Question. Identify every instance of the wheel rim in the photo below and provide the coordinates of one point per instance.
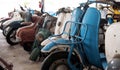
(60, 65)
(5, 31)
(13, 37)
(54, 60)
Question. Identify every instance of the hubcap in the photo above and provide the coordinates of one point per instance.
(60, 65)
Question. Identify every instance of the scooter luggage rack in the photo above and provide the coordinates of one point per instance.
(72, 39)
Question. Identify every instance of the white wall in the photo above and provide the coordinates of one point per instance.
(9, 5)
(55, 4)
(6, 6)
(51, 5)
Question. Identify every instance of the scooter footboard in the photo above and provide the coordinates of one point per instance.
(52, 45)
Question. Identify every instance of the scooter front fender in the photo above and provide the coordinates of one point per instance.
(60, 43)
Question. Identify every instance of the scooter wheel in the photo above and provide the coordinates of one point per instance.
(6, 30)
(11, 37)
(58, 60)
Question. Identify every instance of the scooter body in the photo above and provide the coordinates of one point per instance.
(112, 41)
(27, 33)
(10, 30)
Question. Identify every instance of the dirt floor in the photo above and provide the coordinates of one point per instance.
(17, 56)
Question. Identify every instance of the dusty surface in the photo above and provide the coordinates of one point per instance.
(17, 56)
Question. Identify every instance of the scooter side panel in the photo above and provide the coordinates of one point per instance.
(55, 44)
(112, 41)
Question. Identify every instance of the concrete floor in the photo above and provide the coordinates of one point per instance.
(17, 56)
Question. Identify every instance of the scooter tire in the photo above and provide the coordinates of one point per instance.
(48, 62)
(12, 32)
(53, 60)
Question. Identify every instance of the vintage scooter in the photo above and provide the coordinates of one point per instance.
(16, 17)
(39, 32)
(26, 17)
(63, 15)
(81, 51)
(10, 30)
(76, 16)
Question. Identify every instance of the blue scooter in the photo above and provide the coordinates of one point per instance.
(81, 51)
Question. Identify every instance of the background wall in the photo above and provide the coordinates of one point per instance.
(50, 5)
